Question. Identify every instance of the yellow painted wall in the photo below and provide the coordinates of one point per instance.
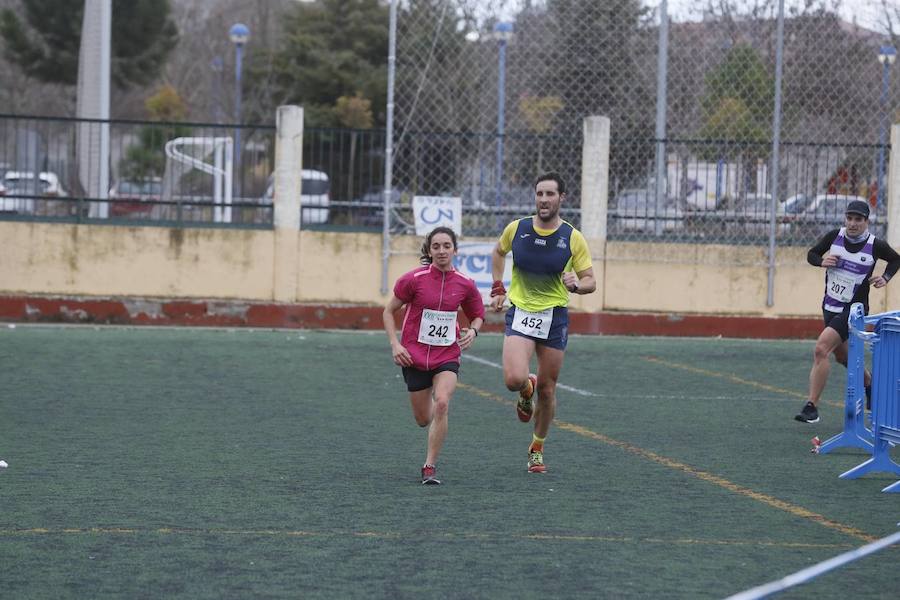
(62, 259)
(156, 262)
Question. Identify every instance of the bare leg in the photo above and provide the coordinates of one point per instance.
(517, 352)
(840, 355)
(444, 386)
(422, 406)
(550, 362)
(829, 340)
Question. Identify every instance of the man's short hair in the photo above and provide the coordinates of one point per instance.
(858, 207)
(552, 176)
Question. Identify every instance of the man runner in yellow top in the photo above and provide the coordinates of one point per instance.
(550, 260)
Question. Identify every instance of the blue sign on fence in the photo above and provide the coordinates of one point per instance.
(474, 259)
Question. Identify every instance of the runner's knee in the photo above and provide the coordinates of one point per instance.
(441, 405)
(514, 383)
(422, 416)
(821, 352)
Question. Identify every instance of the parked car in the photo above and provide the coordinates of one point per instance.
(796, 204)
(636, 211)
(825, 212)
(134, 198)
(22, 189)
(315, 196)
(750, 216)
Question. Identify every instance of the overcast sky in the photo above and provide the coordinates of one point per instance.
(866, 13)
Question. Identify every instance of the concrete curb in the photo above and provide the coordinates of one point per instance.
(234, 313)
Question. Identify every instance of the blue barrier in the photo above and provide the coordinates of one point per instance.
(885, 391)
(855, 433)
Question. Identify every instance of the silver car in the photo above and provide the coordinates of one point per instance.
(636, 211)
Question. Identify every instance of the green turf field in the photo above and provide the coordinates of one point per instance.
(161, 463)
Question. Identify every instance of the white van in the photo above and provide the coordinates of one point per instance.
(24, 183)
(315, 196)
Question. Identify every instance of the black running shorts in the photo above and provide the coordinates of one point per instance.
(417, 380)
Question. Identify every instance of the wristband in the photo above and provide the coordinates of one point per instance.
(498, 289)
(476, 331)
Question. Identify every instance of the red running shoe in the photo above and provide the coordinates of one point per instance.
(429, 475)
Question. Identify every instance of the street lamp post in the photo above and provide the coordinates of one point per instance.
(886, 56)
(217, 66)
(239, 34)
(502, 32)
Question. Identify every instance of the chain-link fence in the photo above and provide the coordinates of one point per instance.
(490, 93)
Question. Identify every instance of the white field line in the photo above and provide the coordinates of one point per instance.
(581, 392)
(774, 587)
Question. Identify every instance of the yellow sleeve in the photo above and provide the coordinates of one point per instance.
(506, 237)
(581, 255)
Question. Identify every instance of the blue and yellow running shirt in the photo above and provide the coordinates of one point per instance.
(540, 256)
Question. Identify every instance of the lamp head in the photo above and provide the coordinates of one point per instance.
(503, 31)
(239, 33)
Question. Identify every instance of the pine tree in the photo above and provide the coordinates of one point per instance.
(45, 46)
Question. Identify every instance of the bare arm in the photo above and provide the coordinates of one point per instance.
(498, 266)
(401, 355)
(468, 335)
(582, 282)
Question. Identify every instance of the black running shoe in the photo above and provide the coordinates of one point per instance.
(809, 414)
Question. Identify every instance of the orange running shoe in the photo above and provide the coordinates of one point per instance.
(536, 461)
(525, 406)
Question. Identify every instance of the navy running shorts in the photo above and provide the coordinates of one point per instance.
(558, 336)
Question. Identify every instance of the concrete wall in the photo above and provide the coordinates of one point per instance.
(231, 264)
(62, 259)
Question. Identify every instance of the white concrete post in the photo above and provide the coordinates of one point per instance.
(595, 178)
(594, 201)
(94, 64)
(288, 165)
